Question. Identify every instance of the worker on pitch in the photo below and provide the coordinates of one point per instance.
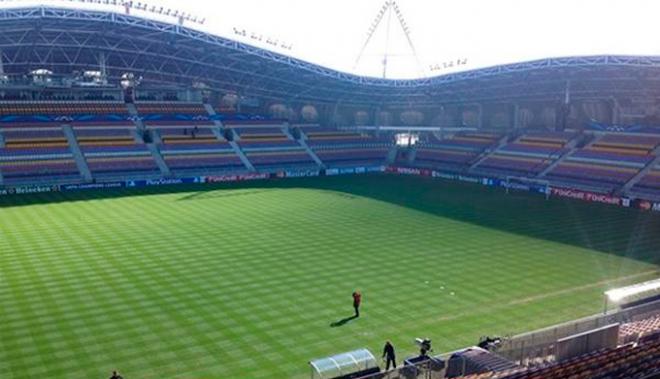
(388, 354)
(357, 299)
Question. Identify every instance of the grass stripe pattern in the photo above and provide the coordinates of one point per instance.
(244, 280)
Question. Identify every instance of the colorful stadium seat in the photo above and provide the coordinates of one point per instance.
(343, 148)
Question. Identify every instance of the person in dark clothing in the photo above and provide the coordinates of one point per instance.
(388, 354)
(357, 299)
(115, 375)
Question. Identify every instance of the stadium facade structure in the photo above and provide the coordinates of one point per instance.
(584, 122)
(253, 110)
(64, 40)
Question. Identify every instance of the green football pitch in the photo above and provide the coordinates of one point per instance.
(245, 280)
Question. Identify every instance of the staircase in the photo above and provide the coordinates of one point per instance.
(242, 156)
(132, 110)
(572, 147)
(81, 163)
(209, 109)
(137, 137)
(556, 162)
(391, 155)
(285, 130)
(217, 133)
(2, 179)
(483, 156)
(412, 156)
(303, 142)
(155, 137)
(158, 157)
(217, 123)
(632, 182)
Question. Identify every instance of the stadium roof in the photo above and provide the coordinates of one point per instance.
(64, 40)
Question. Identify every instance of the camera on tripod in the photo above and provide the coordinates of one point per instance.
(424, 346)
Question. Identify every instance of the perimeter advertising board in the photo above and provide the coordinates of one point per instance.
(92, 186)
(585, 196)
(236, 178)
(29, 190)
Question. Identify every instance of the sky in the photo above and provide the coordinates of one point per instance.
(479, 33)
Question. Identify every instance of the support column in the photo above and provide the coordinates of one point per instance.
(459, 110)
(480, 115)
(334, 114)
(516, 119)
(374, 117)
(616, 112)
(103, 66)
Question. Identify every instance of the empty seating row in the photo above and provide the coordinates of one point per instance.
(188, 150)
(197, 136)
(363, 156)
(468, 140)
(317, 137)
(461, 157)
(269, 147)
(606, 176)
(115, 152)
(650, 183)
(34, 138)
(171, 108)
(596, 155)
(609, 162)
(61, 108)
(540, 143)
(36, 156)
(631, 331)
(626, 144)
(529, 155)
(546, 138)
(622, 150)
(39, 170)
(344, 148)
(508, 164)
(619, 363)
(259, 138)
(455, 153)
(180, 163)
(280, 159)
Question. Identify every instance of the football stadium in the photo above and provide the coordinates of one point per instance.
(179, 204)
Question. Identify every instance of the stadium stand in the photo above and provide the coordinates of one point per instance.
(649, 185)
(115, 152)
(476, 360)
(62, 138)
(145, 108)
(36, 155)
(628, 361)
(635, 330)
(456, 153)
(31, 108)
(255, 137)
(528, 155)
(607, 163)
(173, 114)
(268, 147)
(197, 149)
(340, 148)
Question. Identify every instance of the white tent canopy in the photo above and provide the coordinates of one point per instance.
(641, 289)
(342, 364)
